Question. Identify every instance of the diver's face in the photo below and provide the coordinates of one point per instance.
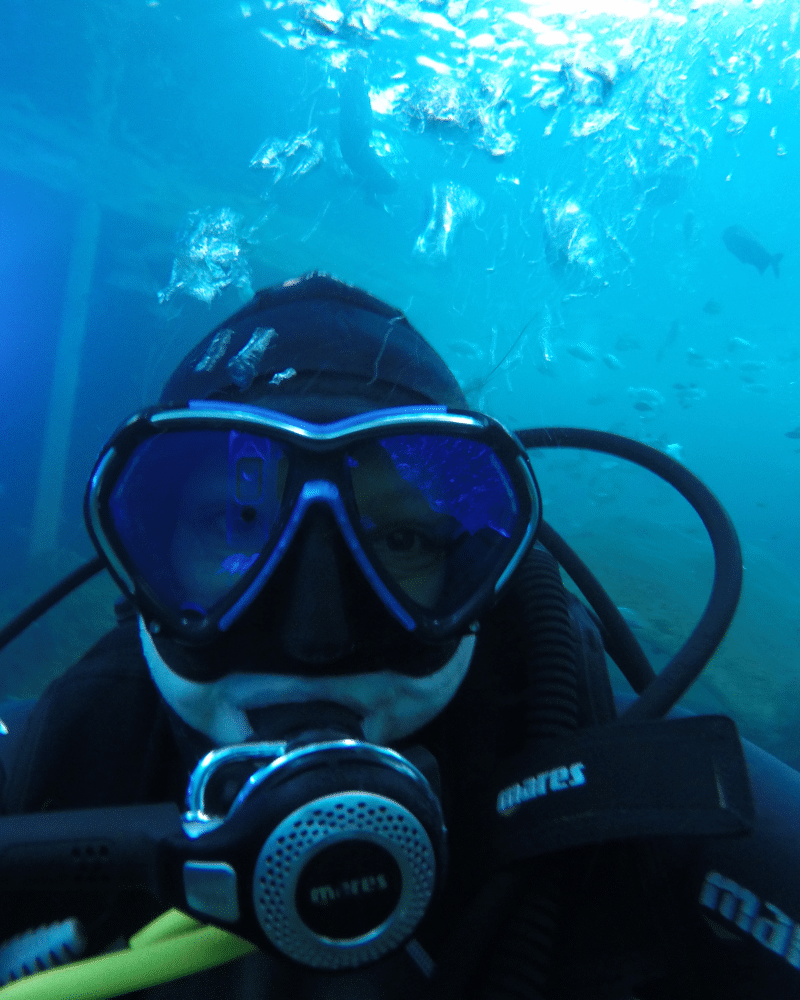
(216, 540)
(406, 536)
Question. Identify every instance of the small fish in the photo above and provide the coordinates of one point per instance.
(672, 334)
(646, 400)
(690, 227)
(466, 349)
(581, 351)
(632, 619)
(749, 250)
(689, 394)
(712, 307)
(695, 358)
(793, 434)
(612, 362)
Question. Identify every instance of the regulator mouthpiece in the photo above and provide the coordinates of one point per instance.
(342, 843)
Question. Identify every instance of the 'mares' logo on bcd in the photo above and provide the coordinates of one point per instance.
(773, 929)
(535, 787)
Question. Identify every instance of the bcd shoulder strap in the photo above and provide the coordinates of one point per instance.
(674, 777)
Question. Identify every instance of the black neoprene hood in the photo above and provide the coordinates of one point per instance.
(316, 328)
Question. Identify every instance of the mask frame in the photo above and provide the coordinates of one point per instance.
(318, 443)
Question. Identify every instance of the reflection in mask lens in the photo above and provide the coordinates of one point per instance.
(437, 512)
(195, 509)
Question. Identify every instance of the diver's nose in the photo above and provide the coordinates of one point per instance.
(315, 626)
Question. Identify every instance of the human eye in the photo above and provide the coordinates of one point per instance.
(410, 546)
(220, 524)
(410, 542)
(414, 554)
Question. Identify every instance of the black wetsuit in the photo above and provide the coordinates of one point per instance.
(677, 917)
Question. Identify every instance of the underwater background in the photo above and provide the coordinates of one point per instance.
(589, 209)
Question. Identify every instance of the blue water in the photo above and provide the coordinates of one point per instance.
(588, 163)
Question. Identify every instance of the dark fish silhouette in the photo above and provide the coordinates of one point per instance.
(712, 307)
(355, 132)
(672, 335)
(690, 227)
(744, 246)
(793, 434)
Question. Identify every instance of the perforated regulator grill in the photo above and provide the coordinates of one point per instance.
(343, 880)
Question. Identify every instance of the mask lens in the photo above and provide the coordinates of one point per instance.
(437, 513)
(194, 510)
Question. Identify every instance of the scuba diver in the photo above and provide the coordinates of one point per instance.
(351, 716)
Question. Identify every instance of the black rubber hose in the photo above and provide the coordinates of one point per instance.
(456, 971)
(514, 917)
(678, 675)
(46, 601)
(547, 642)
(521, 959)
(620, 642)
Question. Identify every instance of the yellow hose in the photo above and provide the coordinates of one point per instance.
(172, 946)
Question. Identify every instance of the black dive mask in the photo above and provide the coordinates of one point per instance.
(413, 518)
